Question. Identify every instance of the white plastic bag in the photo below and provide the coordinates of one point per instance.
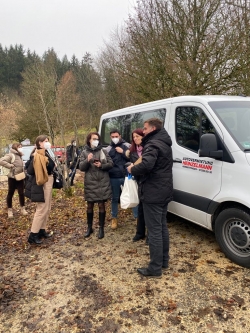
(129, 197)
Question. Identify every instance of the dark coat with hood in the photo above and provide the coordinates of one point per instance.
(119, 159)
(32, 191)
(155, 170)
(96, 180)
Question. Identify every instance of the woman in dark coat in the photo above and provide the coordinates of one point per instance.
(134, 153)
(97, 189)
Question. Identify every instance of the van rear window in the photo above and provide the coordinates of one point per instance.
(127, 123)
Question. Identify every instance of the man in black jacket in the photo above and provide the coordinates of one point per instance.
(155, 191)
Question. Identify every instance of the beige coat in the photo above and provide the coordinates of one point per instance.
(16, 167)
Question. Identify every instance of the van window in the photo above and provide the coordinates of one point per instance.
(235, 115)
(190, 124)
(127, 123)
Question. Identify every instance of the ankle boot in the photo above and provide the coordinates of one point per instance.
(43, 234)
(10, 213)
(34, 239)
(23, 211)
(90, 223)
(101, 224)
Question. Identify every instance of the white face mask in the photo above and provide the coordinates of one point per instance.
(95, 143)
(47, 145)
(115, 140)
(20, 150)
(74, 144)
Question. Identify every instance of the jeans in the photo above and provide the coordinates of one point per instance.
(135, 212)
(116, 192)
(156, 223)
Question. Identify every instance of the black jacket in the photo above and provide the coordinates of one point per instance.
(155, 170)
(119, 159)
(33, 191)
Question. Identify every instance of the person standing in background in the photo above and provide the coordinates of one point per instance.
(155, 192)
(117, 151)
(13, 161)
(72, 154)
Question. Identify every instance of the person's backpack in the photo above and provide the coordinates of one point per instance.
(6, 171)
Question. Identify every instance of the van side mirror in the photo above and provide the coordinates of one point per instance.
(209, 147)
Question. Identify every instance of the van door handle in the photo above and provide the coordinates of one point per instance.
(177, 160)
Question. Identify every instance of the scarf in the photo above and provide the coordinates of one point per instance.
(139, 150)
(40, 166)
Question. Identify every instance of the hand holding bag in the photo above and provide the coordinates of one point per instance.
(129, 197)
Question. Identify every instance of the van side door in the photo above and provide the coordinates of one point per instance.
(196, 180)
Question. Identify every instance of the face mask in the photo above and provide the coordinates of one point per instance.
(74, 144)
(20, 150)
(95, 143)
(115, 140)
(47, 145)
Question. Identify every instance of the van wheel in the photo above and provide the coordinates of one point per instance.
(232, 232)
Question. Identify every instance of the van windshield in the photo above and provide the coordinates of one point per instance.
(127, 123)
(235, 116)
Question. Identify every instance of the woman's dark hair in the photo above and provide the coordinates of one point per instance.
(40, 138)
(138, 131)
(89, 137)
(15, 147)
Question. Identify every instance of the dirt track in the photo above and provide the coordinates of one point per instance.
(70, 284)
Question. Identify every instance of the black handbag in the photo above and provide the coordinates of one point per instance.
(58, 180)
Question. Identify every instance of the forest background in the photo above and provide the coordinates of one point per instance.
(165, 49)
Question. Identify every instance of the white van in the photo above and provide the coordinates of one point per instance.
(211, 154)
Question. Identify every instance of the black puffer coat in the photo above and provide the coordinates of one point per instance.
(155, 170)
(119, 159)
(96, 181)
(33, 191)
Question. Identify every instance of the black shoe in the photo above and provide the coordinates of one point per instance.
(165, 266)
(34, 239)
(137, 238)
(145, 272)
(43, 234)
(89, 232)
(101, 233)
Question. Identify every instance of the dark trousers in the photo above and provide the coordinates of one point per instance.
(156, 223)
(12, 186)
(140, 227)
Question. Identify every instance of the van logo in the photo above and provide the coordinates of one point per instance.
(200, 165)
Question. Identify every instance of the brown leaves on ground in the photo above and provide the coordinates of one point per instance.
(72, 284)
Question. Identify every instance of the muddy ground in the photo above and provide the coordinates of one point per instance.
(70, 284)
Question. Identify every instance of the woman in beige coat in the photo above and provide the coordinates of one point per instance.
(13, 161)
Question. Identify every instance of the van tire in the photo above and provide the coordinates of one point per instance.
(232, 232)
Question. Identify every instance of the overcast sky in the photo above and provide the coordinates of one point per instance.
(69, 26)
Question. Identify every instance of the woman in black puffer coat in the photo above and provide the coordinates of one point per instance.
(96, 163)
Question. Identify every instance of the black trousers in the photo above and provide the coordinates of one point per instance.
(12, 186)
(156, 222)
(140, 227)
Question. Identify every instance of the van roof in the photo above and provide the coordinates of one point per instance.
(179, 99)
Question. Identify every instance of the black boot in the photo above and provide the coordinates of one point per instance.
(101, 224)
(34, 239)
(90, 223)
(43, 234)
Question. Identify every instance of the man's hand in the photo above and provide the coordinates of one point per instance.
(130, 167)
(119, 150)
